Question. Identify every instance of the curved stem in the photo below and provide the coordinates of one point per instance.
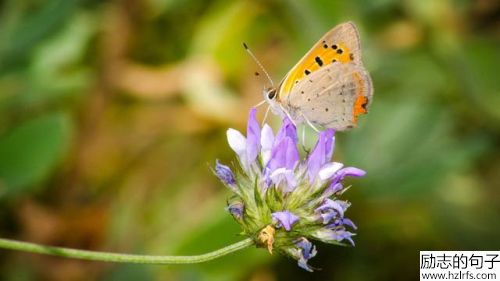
(122, 258)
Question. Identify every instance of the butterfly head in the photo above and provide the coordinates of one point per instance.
(272, 98)
(270, 94)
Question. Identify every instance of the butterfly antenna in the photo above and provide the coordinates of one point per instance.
(258, 63)
(259, 104)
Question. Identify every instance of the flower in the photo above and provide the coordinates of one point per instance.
(225, 174)
(283, 200)
(284, 219)
(302, 250)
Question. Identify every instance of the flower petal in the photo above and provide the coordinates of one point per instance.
(321, 154)
(329, 169)
(329, 144)
(346, 172)
(237, 142)
(284, 175)
(292, 154)
(332, 189)
(342, 222)
(284, 155)
(350, 172)
(330, 235)
(287, 130)
(284, 219)
(308, 249)
(337, 205)
(328, 216)
(253, 137)
(266, 142)
(306, 252)
(332, 209)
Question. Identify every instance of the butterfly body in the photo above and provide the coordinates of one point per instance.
(329, 85)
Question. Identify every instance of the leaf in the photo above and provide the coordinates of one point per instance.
(30, 29)
(31, 151)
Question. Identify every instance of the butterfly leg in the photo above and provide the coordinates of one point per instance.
(310, 124)
(288, 115)
(303, 144)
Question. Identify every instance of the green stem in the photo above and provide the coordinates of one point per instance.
(122, 258)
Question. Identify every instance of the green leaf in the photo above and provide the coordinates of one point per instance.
(31, 151)
(31, 28)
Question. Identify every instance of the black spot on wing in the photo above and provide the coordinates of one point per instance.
(318, 61)
(307, 72)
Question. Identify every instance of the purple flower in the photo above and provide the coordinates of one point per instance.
(340, 222)
(283, 179)
(287, 130)
(331, 209)
(284, 155)
(337, 205)
(329, 170)
(348, 172)
(321, 154)
(276, 189)
(266, 142)
(308, 249)
(337, 177)
(285, 219)
(247, 148)
(236, 210)
(253, 137)
(225, 174)
(238, 144)
(303, 252)
(333, 236)
(332, 189)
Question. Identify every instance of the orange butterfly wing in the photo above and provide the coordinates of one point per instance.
(341, 44)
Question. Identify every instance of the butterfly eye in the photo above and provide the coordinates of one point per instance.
(271, 94)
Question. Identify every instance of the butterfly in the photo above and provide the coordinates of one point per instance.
(329, 86)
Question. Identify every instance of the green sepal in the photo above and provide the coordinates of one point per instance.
(274, 199)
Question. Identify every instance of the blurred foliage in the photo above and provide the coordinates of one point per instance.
(113, 112)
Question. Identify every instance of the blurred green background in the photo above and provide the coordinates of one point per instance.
(113, 112)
